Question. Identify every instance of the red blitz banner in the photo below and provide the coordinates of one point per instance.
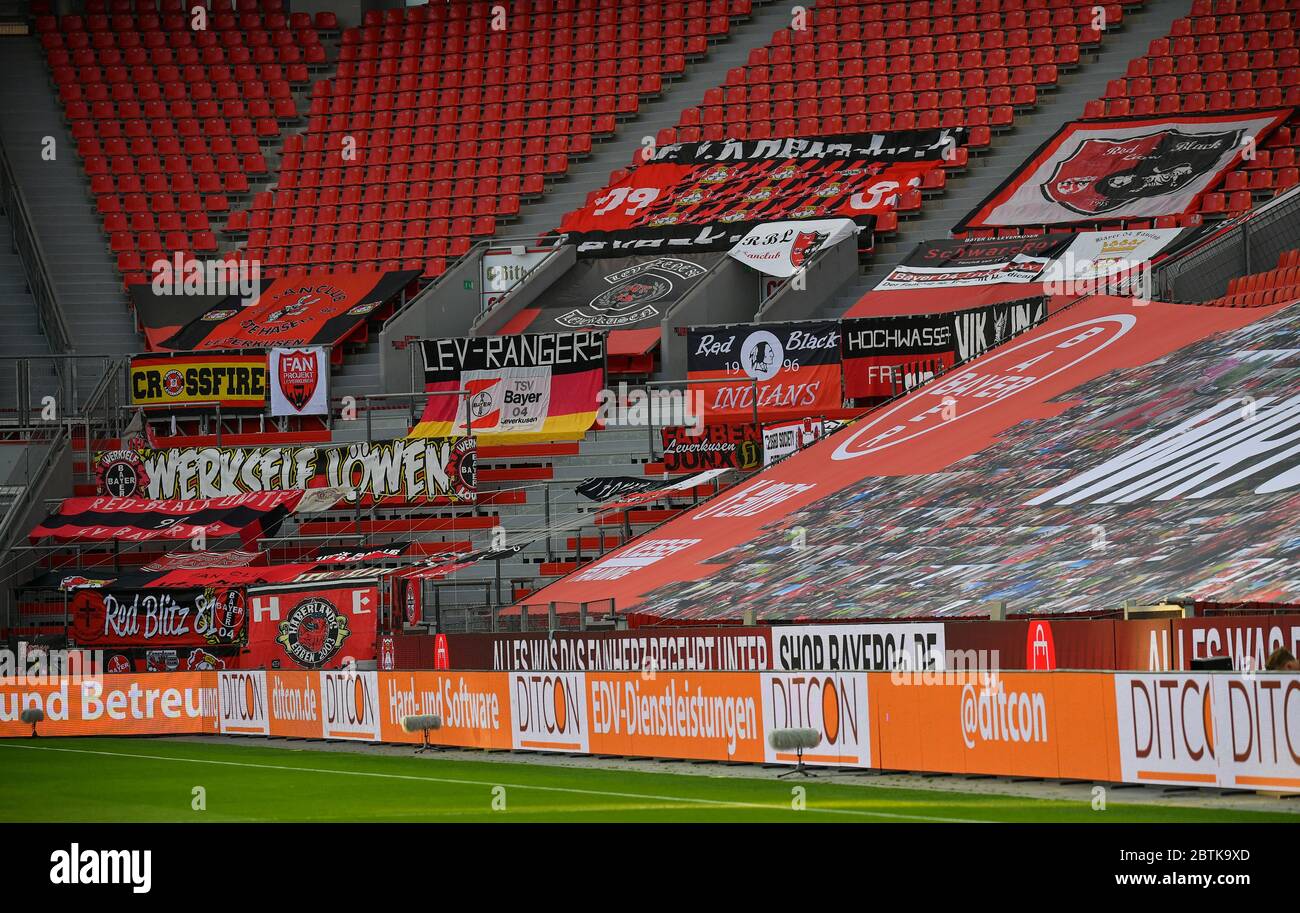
(917, 435)
(796, 367)
(140, 519)
(1135, 168)
(312, 627)
(160, 618)
(298, 311)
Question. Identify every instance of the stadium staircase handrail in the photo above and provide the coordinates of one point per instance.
(28, 245)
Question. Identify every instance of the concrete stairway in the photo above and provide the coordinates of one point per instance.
(23, 335)
(986, 172)
(58, 195)
(664, 111)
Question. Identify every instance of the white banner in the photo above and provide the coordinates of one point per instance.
(1231, 730)
(859, 647)
(784, 438)
(503, 270)
(350, 705)
(1127, 169)
(833, 703)
(1097, 254)
(300, 380)
(783, 248)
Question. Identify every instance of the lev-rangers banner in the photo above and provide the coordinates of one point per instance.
(210, 617)
(231, 380)
(293, 311)
(796, 367)
(300, 381)
(311, 626)
(530, 386)
(438, 471)
(707, 196)
(103, 519)
(1133, 168)
(886, 355)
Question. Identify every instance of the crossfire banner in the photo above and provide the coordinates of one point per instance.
(213, 616)
(231, 380)
(103, 519)
(796, 367)
(437, 471)
(707, 196)
(1133, 168)
(297, 311)
(314, 627)
(882, 354)
(525, 387)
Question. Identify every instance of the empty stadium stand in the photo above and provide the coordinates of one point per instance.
(1280, 285)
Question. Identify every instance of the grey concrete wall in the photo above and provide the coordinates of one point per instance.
(728, 294)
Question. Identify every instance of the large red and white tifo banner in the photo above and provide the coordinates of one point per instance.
(1223, 730)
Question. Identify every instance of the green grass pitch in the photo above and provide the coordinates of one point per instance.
(149, 780)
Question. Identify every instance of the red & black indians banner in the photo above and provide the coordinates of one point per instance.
(520, 388)
(795, 368)
(298, 311)
(1130, 168)
(706, 196)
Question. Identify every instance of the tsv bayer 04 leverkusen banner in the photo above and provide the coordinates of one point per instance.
(431, 470)
(884, 355)
(796, 367)
(1134, 168)
(199, 380)
(311, 627)
(707, 196)
(526, 387)
(300, 381)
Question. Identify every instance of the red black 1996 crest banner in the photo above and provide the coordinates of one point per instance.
(707, 196)
(1133, 168)
(793, 367)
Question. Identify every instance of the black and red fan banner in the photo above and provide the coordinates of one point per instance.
(883, 355)
(298, 311)
(103, 519)
(707, 196)
(793, 367)
(1128, 168)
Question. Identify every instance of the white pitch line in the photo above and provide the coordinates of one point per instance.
(713, 803)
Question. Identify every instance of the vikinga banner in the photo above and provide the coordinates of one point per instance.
(1135, 168)
(527, 387)
(796, 367)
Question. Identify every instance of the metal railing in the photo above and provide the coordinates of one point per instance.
(1251, 244)
(27, 244)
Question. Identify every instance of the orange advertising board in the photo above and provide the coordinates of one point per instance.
(715, 716)
(1029, 724)
(474, 707)
(143, 704)
(293, 704)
